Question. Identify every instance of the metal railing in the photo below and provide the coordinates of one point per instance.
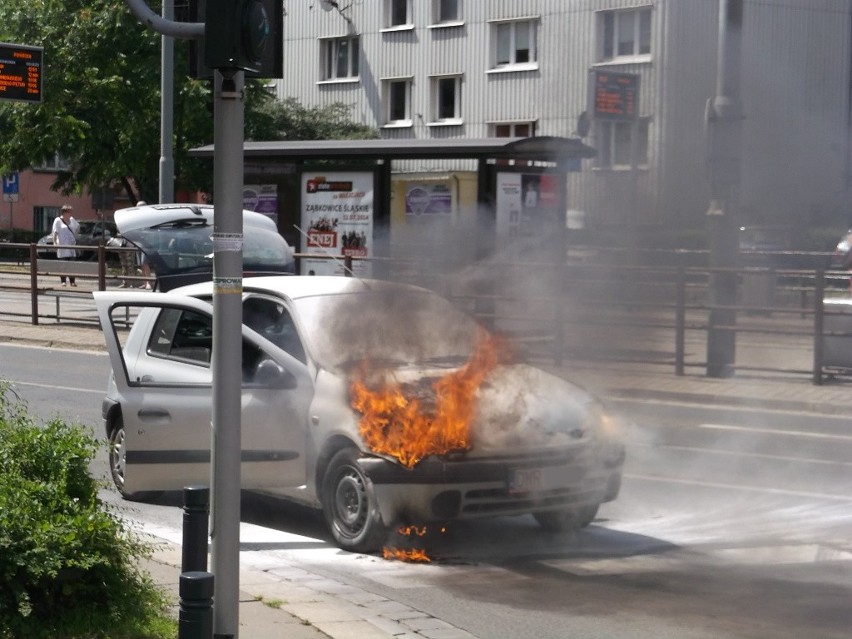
(617, 311)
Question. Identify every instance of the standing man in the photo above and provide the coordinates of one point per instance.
(65, 230)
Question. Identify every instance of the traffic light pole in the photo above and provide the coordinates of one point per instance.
(228, 115)
(226, 424)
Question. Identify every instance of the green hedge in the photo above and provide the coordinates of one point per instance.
(68, 563)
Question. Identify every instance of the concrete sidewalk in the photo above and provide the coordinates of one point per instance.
(285, 601)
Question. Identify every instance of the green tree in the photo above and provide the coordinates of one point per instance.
(101, 101)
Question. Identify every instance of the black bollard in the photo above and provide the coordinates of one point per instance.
(195, 617)
(195, 511)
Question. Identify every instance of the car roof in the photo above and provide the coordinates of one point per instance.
(300, 286)
(152, 215)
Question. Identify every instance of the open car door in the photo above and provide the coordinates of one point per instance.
(160, 348)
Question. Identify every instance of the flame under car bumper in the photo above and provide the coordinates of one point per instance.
(475, 488)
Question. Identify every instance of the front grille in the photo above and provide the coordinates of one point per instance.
(497, 501)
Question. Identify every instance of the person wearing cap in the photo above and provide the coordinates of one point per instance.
(65, 229)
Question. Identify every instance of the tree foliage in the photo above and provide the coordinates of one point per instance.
(101, 101)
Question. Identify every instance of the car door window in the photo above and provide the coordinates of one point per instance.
(182, 335)
(271, 319)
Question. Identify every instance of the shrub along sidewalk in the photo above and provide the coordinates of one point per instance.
(68, 563)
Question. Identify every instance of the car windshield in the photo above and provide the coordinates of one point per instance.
(390, 326)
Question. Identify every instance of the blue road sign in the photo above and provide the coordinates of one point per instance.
(10, 187)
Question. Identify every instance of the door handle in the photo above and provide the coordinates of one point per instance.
(154, 414)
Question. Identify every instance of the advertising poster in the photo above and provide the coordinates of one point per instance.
(337, 220)
(428, 200)
(527, 204)
(262, 198)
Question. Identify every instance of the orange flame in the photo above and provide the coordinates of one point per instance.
(414, 555)
(395, 422)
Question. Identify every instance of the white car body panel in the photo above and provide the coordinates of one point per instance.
(169, 435)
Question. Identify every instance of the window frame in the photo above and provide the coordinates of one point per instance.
(387, 102)
(436, 100)
(532, 24)
(329, 59)
(614, 144)
(55, 164)
(390, 8)
(609, 28)
(513, 126)
(440, 20)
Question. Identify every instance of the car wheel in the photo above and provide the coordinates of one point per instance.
(349, 504)
(118, 462)
(567, 520)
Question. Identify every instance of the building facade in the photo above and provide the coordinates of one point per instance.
(446, 69)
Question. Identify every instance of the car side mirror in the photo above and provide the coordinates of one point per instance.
(272, 375)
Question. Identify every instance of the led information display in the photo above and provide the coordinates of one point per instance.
(614, 96)
(20, 72)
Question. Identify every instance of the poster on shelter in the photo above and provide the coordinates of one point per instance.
(527, 204)
(262, 198)
(428, 200)
(337, 221)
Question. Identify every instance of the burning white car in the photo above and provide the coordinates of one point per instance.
(379, 403)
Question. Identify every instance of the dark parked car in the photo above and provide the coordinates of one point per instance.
(91, 233)
(177, 240)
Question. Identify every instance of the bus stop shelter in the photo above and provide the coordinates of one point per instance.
(298, 170)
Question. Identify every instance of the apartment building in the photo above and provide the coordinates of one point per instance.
(449, 69)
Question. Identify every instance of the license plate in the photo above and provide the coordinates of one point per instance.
(528, 480)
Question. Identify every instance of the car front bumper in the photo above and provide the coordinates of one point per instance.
(444, 490)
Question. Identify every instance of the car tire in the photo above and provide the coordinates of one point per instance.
(118, 463)
(349, 504)
(568, 520)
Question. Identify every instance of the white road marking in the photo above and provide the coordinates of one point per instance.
(751, 489)
(100, 391)
(771, 431)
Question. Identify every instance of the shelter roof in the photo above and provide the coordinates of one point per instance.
(542, 149)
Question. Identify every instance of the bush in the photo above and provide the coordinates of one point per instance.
(68, 563)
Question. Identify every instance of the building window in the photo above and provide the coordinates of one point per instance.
(625, 34)
(513, 129)
(615, 144)
(446, 99)
(446, 11)
(55, 163)
(397, 13)
(340, 58)
(514, 43)
(43, 217)
(397, 101)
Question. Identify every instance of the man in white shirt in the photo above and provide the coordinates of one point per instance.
(65, 229)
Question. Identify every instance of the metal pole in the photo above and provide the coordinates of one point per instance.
(724, 133)
(819, 326)
(167, 70)
(227, 348)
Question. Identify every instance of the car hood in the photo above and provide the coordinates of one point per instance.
(517, 409)
(178, 242)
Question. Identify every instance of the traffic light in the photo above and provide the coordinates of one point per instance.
(214, 46)
(236, 34)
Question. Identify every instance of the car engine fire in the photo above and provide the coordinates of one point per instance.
(429, 417)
